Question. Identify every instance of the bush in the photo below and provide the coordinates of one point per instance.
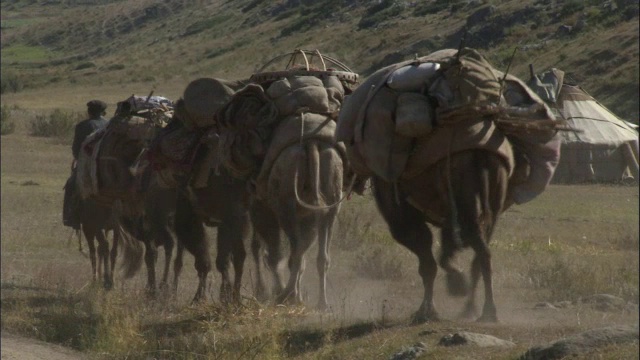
(7, 125)
(114, 67)
(85, 65)
(58, 124)
(10, 82)
(379, 13)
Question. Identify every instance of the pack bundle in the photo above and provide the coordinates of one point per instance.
(403, 118)
(202, 98)
(108, 155)
(279, 109)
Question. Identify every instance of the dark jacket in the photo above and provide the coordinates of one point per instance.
(84, 129)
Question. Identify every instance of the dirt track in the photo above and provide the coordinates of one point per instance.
(19, 348)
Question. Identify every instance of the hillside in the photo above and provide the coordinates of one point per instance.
(62, 44)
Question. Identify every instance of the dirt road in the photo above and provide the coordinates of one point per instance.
(20, 348)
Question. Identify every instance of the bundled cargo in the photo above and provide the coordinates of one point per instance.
(203, 98)
(172, 158)
(409, 115)
(107, 156)
(279, 109)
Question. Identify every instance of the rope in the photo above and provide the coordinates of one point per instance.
(295, 180)
(320, 207)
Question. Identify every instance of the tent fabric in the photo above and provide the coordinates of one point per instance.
(604, 147)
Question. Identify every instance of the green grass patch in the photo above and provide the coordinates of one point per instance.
(25, 53)
(17, 23)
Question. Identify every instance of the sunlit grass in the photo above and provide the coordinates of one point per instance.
(20, 53)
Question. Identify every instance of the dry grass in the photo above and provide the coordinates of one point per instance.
(571, 242)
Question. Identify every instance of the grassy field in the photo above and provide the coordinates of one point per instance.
(572, 242)
(106, 43)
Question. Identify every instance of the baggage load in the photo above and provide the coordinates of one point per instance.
(414, 77)
(414, 115)
(395, 131)
(202, 99)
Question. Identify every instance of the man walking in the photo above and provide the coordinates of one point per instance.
(96, 121)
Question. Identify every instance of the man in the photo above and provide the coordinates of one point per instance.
(96, 121)
(96, 109)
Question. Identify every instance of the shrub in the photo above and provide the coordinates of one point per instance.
(114, 67)
(430, 7)
(7, 125)
(10, 82)
(565, 278)
(379, 13)
(571, 7)
(85, 65)
(58, 124)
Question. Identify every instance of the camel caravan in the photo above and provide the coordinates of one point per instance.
(444, 139)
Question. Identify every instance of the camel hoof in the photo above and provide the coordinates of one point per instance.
(108, 285)
(198, 299)
(288, 298)
(421, 317)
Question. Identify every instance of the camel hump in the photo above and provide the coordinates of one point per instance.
(204, 97)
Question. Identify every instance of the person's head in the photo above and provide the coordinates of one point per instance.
(96, 108)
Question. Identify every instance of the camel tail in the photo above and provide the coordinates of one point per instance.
(132, 254)
(132, 247)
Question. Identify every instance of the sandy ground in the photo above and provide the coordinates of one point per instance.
(20, 348)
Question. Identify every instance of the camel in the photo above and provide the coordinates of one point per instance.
(113, 150)
(471, 189)
(223, 203)
(220, 203)
(455, 166)
(287, 153)
(310, 173)
(95, 221)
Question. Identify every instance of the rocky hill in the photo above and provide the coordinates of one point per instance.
(68, 42)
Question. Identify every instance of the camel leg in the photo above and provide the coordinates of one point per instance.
(456, 282)
(470, 306)
(407, 226)
(322, 263)
(114, 251)
(489, 313)
(89, 235)
(168, 253)
(256, 252)
(223, 259)
(300, 234)
(161, 235)
(177, 267)
(103, 254)
(267, 229)
(481, 207)
(150, 259)
(238, 255)
(190, 233)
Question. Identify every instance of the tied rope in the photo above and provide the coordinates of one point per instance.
(296, 175)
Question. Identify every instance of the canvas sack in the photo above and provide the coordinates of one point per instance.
(414, 115)
(413, 77)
